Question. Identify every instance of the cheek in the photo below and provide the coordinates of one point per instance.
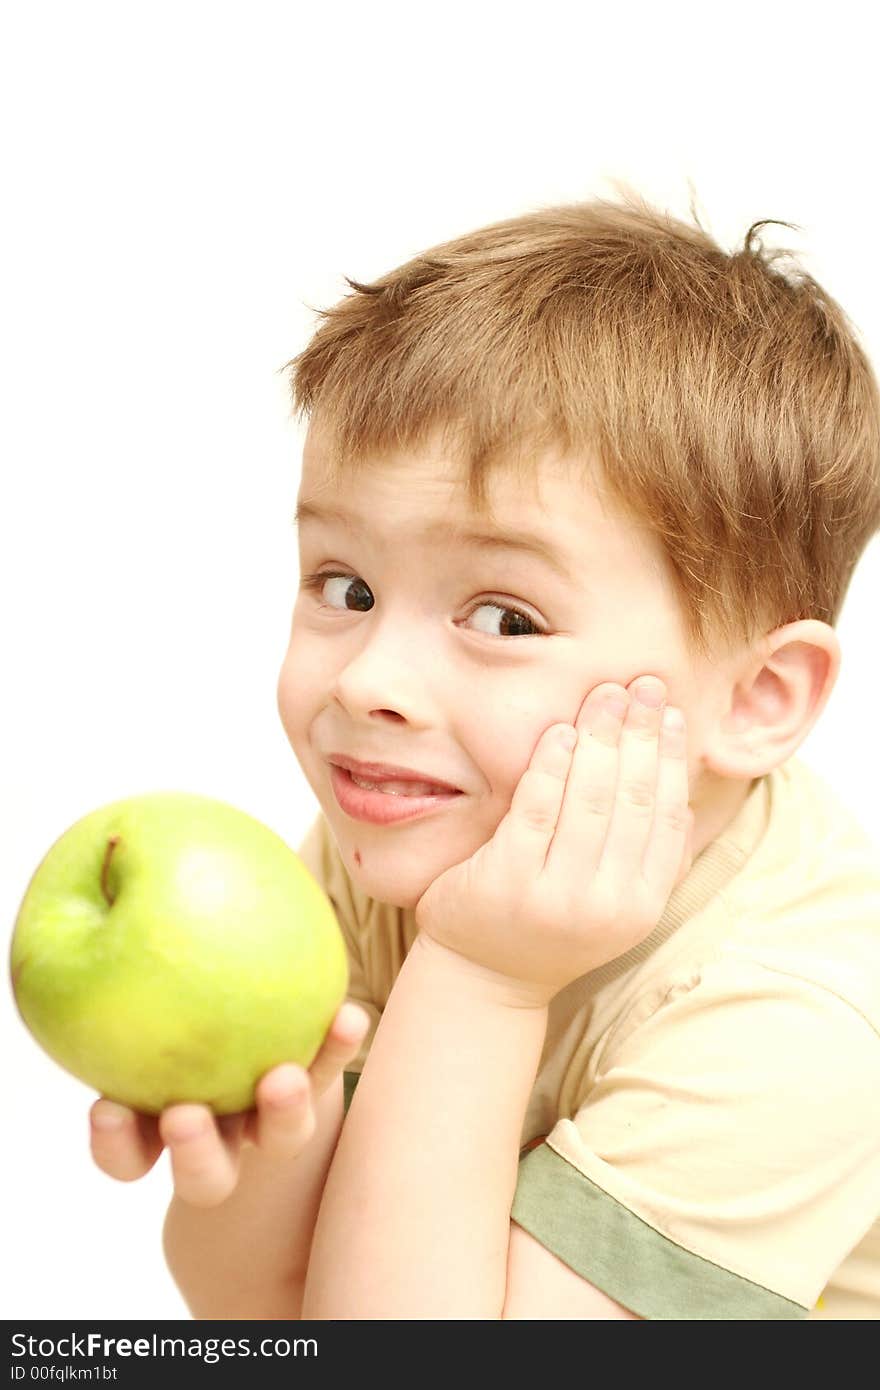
(285, 700)
(503, 735)
(299, 681)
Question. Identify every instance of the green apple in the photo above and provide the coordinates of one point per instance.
(172, 948)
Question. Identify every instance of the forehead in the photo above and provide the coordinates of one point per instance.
(423, 500)
(551, 510)
(428, 488)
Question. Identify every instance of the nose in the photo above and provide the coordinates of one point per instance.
(391, 677)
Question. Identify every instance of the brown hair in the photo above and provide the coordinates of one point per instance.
(729, 407)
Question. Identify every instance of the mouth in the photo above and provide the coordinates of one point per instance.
(390, 779)
(382, 802)
(400, 787)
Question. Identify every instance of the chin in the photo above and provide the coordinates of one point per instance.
(396, 865)
(387, 886)
(396, 875)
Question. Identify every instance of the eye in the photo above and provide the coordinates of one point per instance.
(316, 583)
(520, 621)
(356, 596)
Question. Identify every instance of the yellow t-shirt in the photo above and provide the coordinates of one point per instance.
(703, 1136)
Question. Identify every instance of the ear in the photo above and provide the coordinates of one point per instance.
(773, 700)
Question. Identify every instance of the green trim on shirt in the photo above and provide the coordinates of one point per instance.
(349, 1080)
(619, 1253)
(622, 1255)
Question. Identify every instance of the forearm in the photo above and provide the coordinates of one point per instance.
(247, 1257)
(415, 1217)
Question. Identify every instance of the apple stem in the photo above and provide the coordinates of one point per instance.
(111, 845)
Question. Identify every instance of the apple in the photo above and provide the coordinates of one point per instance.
(171, 948)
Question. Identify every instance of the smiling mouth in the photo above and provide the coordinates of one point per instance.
(391, 787)
(388, 802)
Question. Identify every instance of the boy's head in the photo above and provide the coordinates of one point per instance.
(694, 437)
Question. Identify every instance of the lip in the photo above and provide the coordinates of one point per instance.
(388, 772)
(382, 808)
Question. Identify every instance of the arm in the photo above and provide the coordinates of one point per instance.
(415, 1220)
(428, 1162)
(246, 1258)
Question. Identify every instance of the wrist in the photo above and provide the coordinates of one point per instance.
(487, 986)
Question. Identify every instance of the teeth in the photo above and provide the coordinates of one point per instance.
(397, 788)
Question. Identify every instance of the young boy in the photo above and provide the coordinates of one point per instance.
(614, 1018)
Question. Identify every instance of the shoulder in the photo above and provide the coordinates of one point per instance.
(726, 1155)
(801, 902)
(813, 841)
(807, 905)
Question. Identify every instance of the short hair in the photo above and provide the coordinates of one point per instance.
(728, 405)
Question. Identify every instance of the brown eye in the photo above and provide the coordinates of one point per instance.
(354, 594)
(514, 622)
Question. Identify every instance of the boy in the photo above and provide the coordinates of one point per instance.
(621, 999)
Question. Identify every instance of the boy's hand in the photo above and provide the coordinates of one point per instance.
(205, 1148)
(582, 866)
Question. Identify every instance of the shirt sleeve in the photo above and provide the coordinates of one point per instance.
(321, 858)
(727, 1158)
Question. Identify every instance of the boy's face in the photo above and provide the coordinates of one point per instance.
(416, 659)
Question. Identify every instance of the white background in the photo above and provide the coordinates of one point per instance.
(182, 184)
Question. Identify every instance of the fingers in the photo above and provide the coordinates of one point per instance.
(591, 790)
(625, 814)
(341, 1045)
(124, 1143)
(285, 1097)
(285, 1119)
(639, 844)
(205, 1157)
(671, 840)
(527, 831)
(204, 1149)
(204, 1162)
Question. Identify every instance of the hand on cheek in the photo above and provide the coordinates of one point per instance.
(581, 867)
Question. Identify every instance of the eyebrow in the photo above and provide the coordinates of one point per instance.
(490, 540)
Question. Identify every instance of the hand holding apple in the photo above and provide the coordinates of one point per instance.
(205, 1150)
(172, 949)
